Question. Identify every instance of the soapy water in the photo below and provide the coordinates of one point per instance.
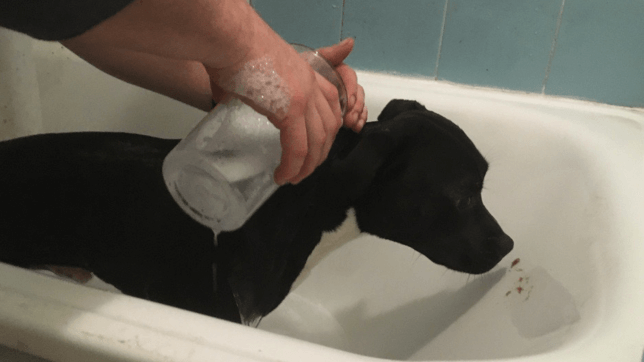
(259, 82)
(240, 141)
(223, 170)
(227, 172)
(218, 202)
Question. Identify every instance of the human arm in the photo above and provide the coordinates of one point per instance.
(188, 81)
(225, 35)
(184, 80)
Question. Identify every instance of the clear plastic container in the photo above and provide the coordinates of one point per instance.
(222, 171)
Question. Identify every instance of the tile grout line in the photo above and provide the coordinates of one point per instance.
(342, 21)
(553, 48)
(440, 40)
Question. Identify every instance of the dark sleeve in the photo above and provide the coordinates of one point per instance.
(56, 19)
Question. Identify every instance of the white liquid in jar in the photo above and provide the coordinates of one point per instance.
(222, 172)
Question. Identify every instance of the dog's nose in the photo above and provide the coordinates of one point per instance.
(500, 244)
(506, 244)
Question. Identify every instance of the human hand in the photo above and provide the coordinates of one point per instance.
(356, 113)
(293, 134)
(304, 106)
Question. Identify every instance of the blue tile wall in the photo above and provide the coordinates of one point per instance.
(498, 43)
(394, 36)
(315, 23)
(600, 52)
(591, 49)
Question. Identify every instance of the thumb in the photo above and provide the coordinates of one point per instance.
(337, 53)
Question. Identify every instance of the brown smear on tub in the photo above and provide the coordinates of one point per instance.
(522, 283)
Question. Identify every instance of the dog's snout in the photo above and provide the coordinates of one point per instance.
(500, 244)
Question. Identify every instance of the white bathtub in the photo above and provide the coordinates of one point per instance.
(565, 182)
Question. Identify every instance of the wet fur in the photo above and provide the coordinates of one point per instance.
(98, 201)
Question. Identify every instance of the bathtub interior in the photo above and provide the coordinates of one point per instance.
(550, 186)
(380, 299)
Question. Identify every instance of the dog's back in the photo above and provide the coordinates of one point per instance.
(98, 201)
(89, 182)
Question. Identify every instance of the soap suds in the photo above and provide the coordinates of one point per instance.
(259, 82)
(223, 171)
(239, 142)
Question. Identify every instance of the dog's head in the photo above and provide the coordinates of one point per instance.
(426, 191)
(413, 177)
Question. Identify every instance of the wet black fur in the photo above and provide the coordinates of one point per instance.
(98, 201)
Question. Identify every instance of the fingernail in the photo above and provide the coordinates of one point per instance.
(352, 101)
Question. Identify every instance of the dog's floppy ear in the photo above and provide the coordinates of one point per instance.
(357, 169)
(378, 141)
(398, 106)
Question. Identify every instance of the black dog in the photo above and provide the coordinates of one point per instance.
(98, 201)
